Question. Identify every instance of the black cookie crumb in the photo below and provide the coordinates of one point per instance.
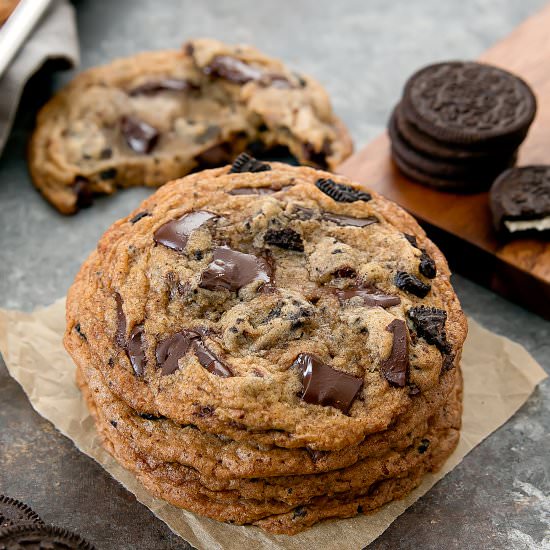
(246, 163)
(423, 447)
(284, 238)
(139, 216)
(299, 512)
(429, 323)
(427, 265)
(340, 192)
(409, 283)
(79, 331)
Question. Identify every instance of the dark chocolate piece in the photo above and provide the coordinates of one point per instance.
(411, 239)
(32, 536)
(120, 335)
(323, 385)
(232, 69)
(175, 233)
(210, 361)
(409, 283)
(429, 323)
(140, 136)
(84, 196)
(341, 192)
(15, 512)
(247, 163)
(170, 350)
(342, 220)
(285, 238)
(139, 216)
(371, 297)
(136, 350)
(164, 84)
(257, 190)
(231, 270)
(395, 367)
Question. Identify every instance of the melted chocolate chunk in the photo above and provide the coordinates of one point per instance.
(371, 297)
(140, 136)
(165, 84)
(136, 350)
(84, 197)
(284, 238)
(120, 335)
(231, 270)
(139, 216)
(339, 219)
(429, 323)
(210, 361)
(170, 350)
(409, 283)
(395, 367)
(246, 163)
(232, 69)
(257, 190)
(175, 233)
(340, 192)
(323, 385)
(427, 266)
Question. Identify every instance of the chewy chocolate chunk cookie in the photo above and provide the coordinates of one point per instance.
(271, 305)
(156, 116)
(520, 201)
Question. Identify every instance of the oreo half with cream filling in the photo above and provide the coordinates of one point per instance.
(520, 201)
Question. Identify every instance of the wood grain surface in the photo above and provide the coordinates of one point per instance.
(461, 224)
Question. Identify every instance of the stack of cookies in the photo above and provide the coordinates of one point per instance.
(459, 125)
(276, 347)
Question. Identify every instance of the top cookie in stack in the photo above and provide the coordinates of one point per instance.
(278, 347)
(459, 124)
(156, 116)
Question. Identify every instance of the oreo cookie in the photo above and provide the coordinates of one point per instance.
(14, 512)
(520, 201)
(469, 104)
(19, 537)
(459, 125)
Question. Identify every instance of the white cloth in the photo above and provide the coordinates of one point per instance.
(54, 37)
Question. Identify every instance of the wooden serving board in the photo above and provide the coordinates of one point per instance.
(461, 224)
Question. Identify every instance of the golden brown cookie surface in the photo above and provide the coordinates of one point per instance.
(258, 307)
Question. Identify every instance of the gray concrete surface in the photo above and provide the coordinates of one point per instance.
(362, 51)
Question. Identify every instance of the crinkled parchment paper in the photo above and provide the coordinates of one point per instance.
(499, 376)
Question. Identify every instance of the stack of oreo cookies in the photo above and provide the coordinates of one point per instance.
(277, 348)
(459, 125)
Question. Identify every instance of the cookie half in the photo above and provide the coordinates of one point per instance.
(156, 116)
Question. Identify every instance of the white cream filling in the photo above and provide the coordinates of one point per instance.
(526, 225)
